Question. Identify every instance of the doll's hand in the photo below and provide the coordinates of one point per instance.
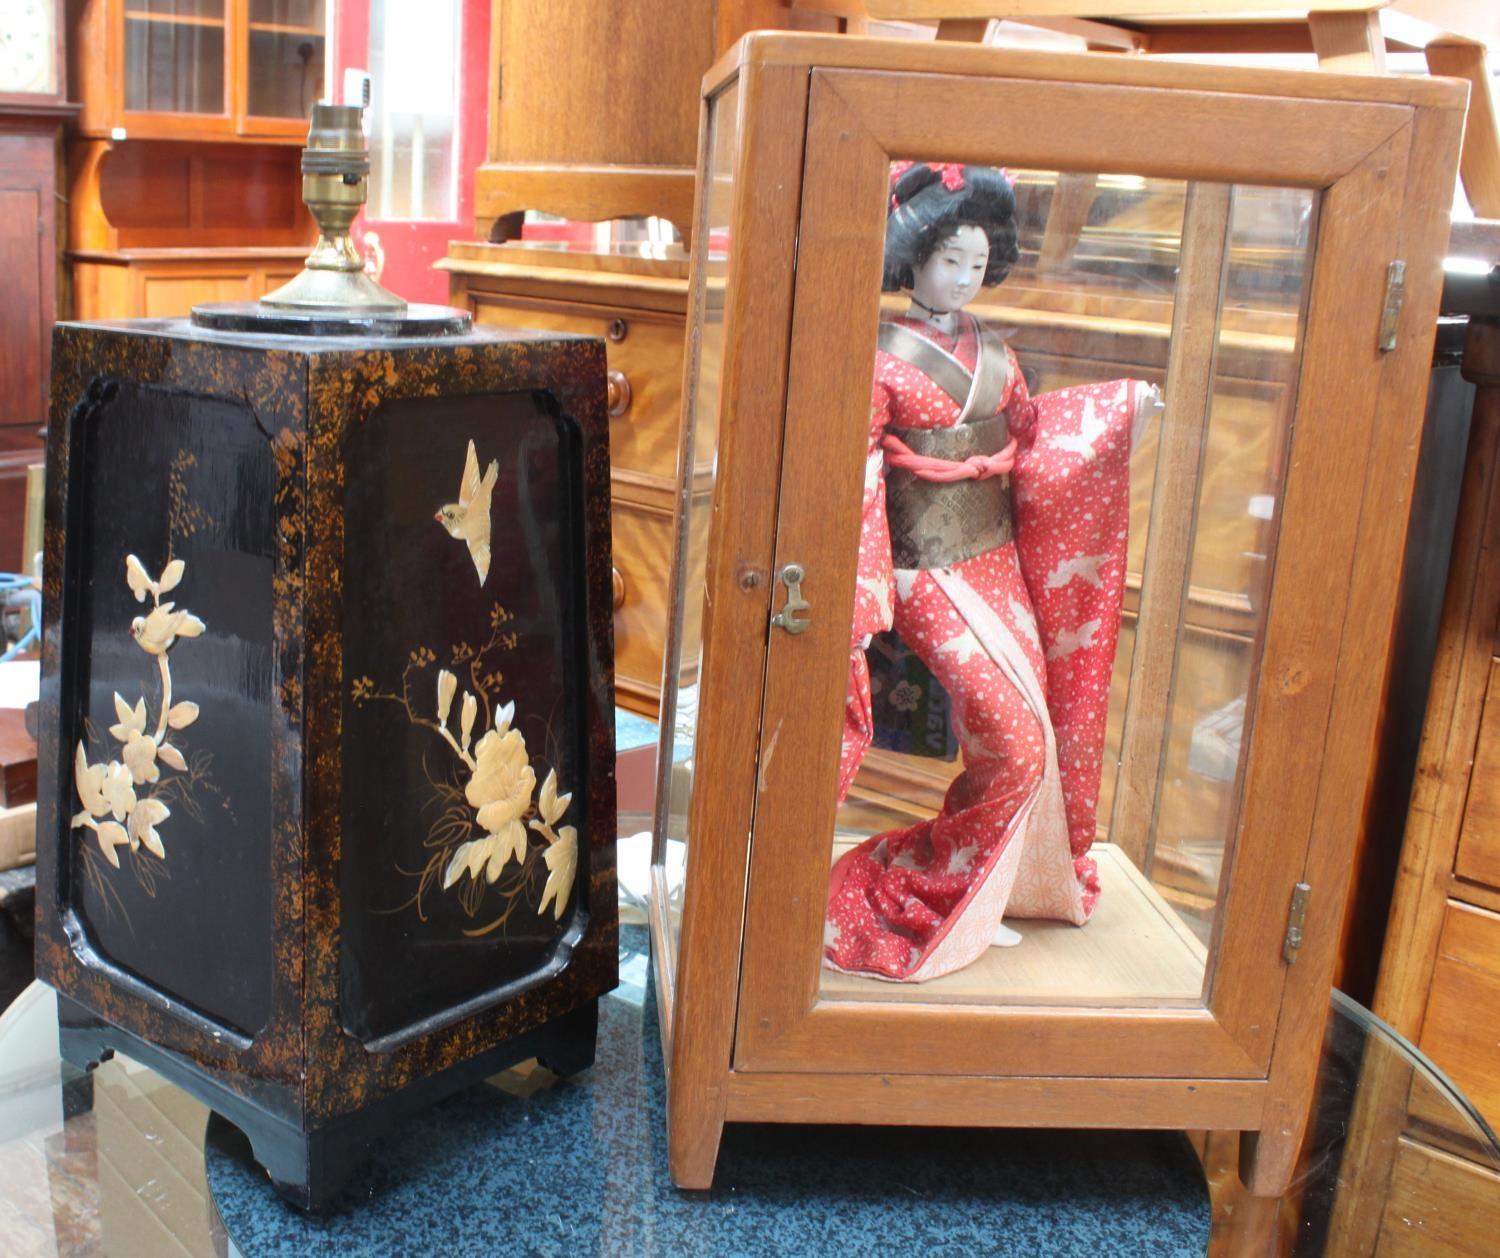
(1148, 405)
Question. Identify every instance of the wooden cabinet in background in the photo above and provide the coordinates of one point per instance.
(184, 184)
(1440, 979)
(28, 261)
(166, 283)
(156, 227)
(596, 103)
(1440, 972)
(638, 306)
(29, 214)
(33, 108)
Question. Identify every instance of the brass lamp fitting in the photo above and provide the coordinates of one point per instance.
(335, 176)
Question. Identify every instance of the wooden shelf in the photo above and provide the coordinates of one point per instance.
(1135, 951)
(281, 28)
(174, 19)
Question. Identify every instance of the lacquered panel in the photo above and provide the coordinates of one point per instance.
(168, 700)
(463, 658)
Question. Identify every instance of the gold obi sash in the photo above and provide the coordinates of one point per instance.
(935, 524)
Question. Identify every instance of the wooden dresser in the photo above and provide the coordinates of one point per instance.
(156, 227)
(183, 173)
(639, 306)
(1440, 973)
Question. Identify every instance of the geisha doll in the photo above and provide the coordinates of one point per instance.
(993, 541)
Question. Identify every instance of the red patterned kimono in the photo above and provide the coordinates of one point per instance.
(1022, 636)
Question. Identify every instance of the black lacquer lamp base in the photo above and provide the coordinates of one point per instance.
(308, 1166)
(254, 316)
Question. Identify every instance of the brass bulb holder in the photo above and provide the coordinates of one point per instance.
(335, 179)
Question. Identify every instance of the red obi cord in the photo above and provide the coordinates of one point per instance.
(944, 471)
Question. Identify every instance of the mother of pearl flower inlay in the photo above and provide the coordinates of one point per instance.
(120, 803)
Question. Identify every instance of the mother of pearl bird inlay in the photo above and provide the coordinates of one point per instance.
(468, 519)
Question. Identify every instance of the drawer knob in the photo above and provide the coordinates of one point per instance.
(619, 392)
(619, 586)
(619, 329)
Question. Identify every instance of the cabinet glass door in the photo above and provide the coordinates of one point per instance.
(698, 468)
(175, 56)
(1042, 744)
(283, 58)
(1048, 428)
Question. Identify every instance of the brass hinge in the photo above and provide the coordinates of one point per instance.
(1390, 312)
(1294, 922)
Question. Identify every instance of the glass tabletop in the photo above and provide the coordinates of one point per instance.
(123, 1163)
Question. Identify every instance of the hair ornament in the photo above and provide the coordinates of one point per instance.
(951, 175)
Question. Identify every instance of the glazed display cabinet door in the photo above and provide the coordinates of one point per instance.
(176, 61)
(1103, 701)
(281, 60)
(200, 69)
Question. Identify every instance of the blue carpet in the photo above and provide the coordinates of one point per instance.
(633, 730)
(525, 1164)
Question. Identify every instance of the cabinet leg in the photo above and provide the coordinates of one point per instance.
(77, 1093)
(82, 1043)
(571, 1040)
(1268, 1160)
(307, 1169)
(694, 1128)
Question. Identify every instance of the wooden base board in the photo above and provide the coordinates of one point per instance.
(995, 1101)
(1135, 950)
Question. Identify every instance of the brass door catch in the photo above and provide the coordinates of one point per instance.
(792, 577)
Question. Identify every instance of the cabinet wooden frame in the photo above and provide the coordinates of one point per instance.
(747, 1036)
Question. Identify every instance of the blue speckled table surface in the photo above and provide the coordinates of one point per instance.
(528, 1164)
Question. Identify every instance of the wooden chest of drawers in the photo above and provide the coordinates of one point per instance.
(639, 306)
(1440, 978)
(1440, 971)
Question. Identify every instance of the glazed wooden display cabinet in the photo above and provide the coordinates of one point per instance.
(885, 729)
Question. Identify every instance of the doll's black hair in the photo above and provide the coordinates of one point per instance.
(927, 214)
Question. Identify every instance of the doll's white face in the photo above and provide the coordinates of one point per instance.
(950, 279)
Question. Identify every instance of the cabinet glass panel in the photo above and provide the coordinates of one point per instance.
(284, 58)
(305, 16)
(1249, 422)
(174, 56)
(1081, 399)
(679, 709)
